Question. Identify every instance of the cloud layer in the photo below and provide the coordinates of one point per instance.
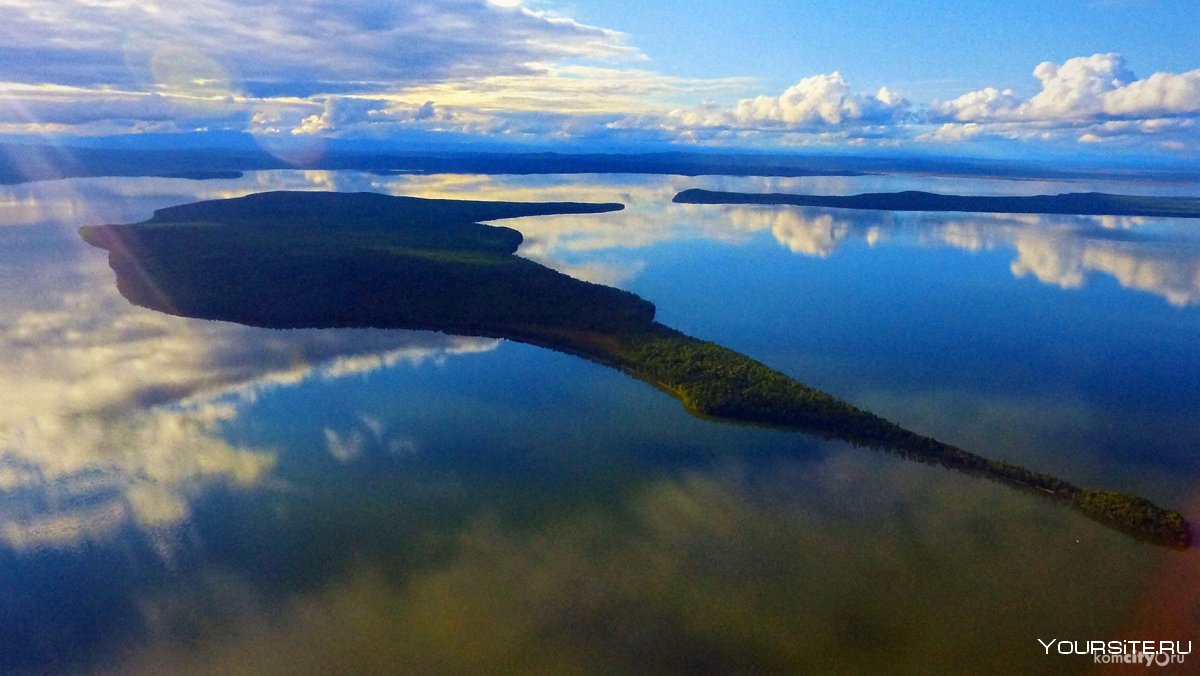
(277, 47)
(1095, 97)
(498, 70)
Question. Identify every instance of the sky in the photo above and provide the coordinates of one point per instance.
(1019, 77)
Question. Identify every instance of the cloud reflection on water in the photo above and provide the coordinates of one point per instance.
(111, 419)
(110, 415)
(117, 410)
(1061, 251)
(1055, 249)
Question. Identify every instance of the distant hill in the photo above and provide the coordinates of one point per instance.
(23, 162)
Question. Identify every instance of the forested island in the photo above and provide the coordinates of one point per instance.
(1081, 204)
(322, 260)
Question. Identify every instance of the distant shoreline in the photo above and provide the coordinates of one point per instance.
(29, 162)
(1079, 204)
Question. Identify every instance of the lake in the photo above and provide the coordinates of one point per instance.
(188, 496)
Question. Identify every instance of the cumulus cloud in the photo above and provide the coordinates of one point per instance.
(371, 435)
(1161, 93)
(341, 112)
(820, 99)
(817, 103)
(1092, 99)
(1077, 87)
(1093, 88)
(951, 132)
(350, 115)
(985, 104)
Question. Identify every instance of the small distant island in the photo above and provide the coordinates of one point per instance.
(321, 260)
(1080, 204)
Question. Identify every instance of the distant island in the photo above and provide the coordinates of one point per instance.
(1081, 204)
(321, 260)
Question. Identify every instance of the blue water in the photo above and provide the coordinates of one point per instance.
(180, 495)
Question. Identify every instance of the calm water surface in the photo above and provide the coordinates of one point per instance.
(188, 496)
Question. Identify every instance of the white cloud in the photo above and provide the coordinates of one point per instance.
(951, 132)
(814, 102)
(282, 65)
(1076, 88)
(342, 112)
(820, 98)
(1161, 93)
(1092, 99)
(984, 104)
(1083, 89)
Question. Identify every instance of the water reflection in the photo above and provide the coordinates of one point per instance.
(734, 566)
(1159, 256)
(1162, 258)
(192, 496)
(110, 415)
(813, 234)
(1156, 256)
(100, 393)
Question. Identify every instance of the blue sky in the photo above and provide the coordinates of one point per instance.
(936, 76)
(924, 47)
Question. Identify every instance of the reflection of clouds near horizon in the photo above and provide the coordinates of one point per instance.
(110, 415)
(803, 232)
(1057, 250)
(1064, 250)
(597, 247)
(594, 247)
